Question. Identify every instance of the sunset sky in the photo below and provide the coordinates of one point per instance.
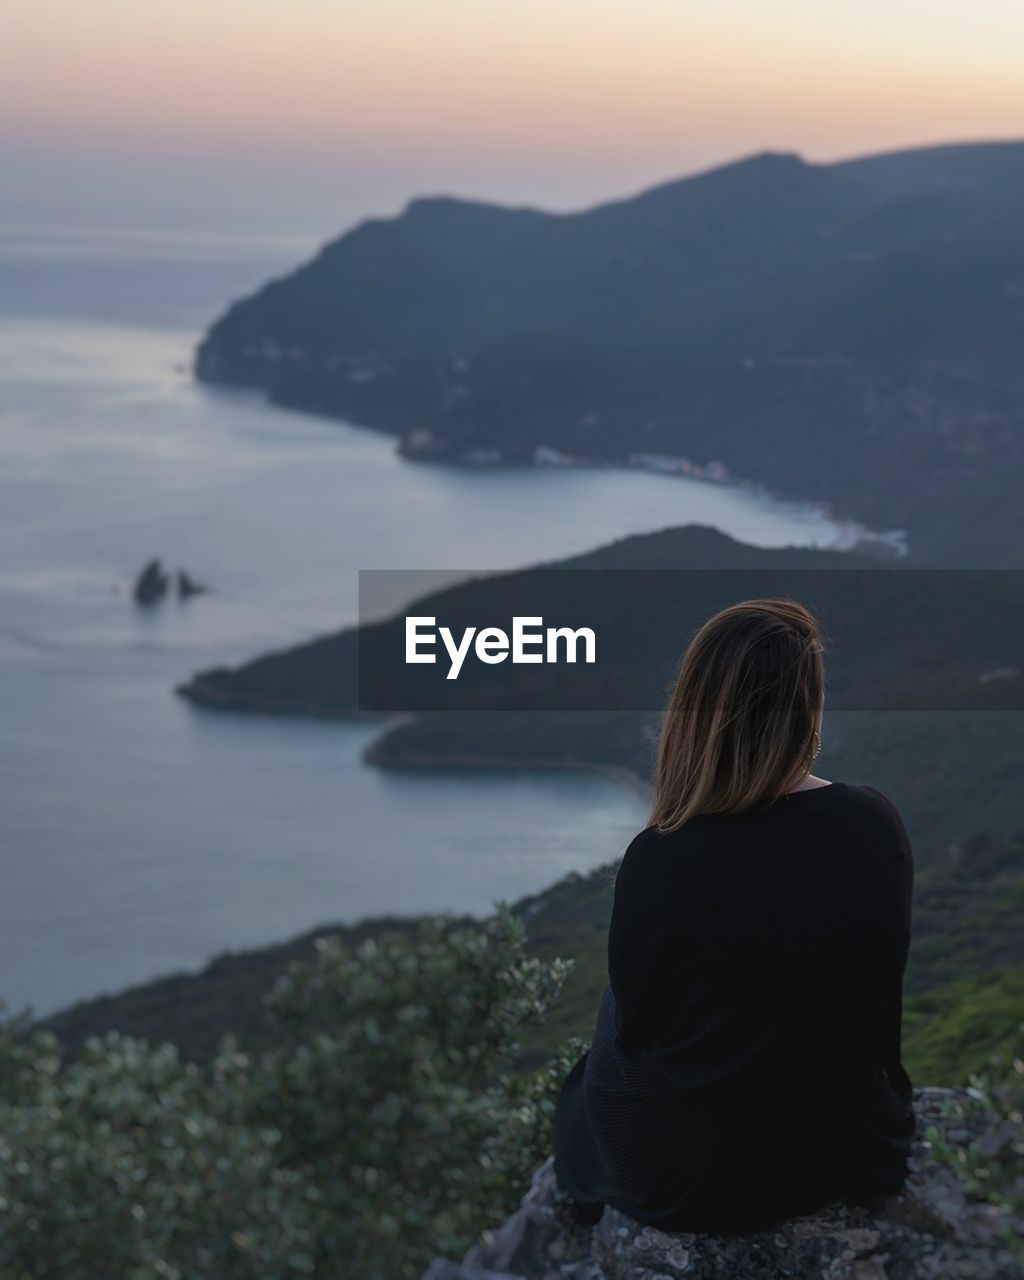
(305, 114)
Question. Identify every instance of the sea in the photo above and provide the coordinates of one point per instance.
(141, 835)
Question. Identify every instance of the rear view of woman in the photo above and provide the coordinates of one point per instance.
(745, 1064)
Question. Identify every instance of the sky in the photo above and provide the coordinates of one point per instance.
(301, 116)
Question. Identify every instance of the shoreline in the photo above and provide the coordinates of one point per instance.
(410, 446)
(461, 762)
(849, 533)
(201, 694)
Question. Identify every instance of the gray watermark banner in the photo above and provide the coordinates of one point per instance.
(611, 640)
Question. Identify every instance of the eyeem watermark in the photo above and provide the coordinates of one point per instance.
(529, 642)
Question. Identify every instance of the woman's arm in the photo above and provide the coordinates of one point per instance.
(637, 962)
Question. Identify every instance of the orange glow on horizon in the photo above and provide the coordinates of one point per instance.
(579, 79)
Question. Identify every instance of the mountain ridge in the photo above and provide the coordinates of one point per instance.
(845, 332)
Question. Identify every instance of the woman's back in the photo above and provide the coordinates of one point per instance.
(746, 1059)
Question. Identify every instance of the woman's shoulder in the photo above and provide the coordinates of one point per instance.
(646, 850)
(654, 868)
(870, 801)
(655, 855)
(654, 844)
(864, 819)
(860, 802)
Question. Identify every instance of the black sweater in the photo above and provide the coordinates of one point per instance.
(745, 1065)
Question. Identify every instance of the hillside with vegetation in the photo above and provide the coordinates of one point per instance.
(908, 638)
(912, 705)
(379, 1125)
(328, 675)
(843, 332)
(389, 1111)
(965, 983)
(369, 1056)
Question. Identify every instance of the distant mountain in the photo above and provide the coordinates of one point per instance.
(948, 745)
(907, 640)
(850, 332)
(326, 676)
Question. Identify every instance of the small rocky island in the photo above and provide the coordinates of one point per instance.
(151, 584)
(154, 582)
(933, 1230)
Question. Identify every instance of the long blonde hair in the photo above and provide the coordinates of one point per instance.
(742, 722)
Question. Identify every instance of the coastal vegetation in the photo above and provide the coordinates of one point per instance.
(390, 1097)
(393, 1106)
(965, 983)
(381, 1125)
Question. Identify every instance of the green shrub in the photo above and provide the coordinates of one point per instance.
(991, 1166)
(380, 1129)
(951, 1032)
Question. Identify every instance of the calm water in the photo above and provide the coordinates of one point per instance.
(140, 835)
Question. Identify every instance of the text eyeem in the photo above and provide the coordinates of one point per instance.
(530, 641)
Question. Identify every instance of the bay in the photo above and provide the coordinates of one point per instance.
(140, 835)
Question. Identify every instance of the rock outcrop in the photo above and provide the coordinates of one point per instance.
(931, 1231)
(187, 586)
(152, 583)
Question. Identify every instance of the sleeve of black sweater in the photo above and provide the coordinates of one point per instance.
(639, 950)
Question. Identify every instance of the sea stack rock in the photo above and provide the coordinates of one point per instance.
(188, 586)
(152, 583)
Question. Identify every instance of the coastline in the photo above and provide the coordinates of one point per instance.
(418, 445)
(850, 533)
(203, 693)
(376, 754)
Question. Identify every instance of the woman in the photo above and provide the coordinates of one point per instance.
(746, 1065)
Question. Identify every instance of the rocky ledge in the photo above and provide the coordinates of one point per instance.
(931, 1231)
